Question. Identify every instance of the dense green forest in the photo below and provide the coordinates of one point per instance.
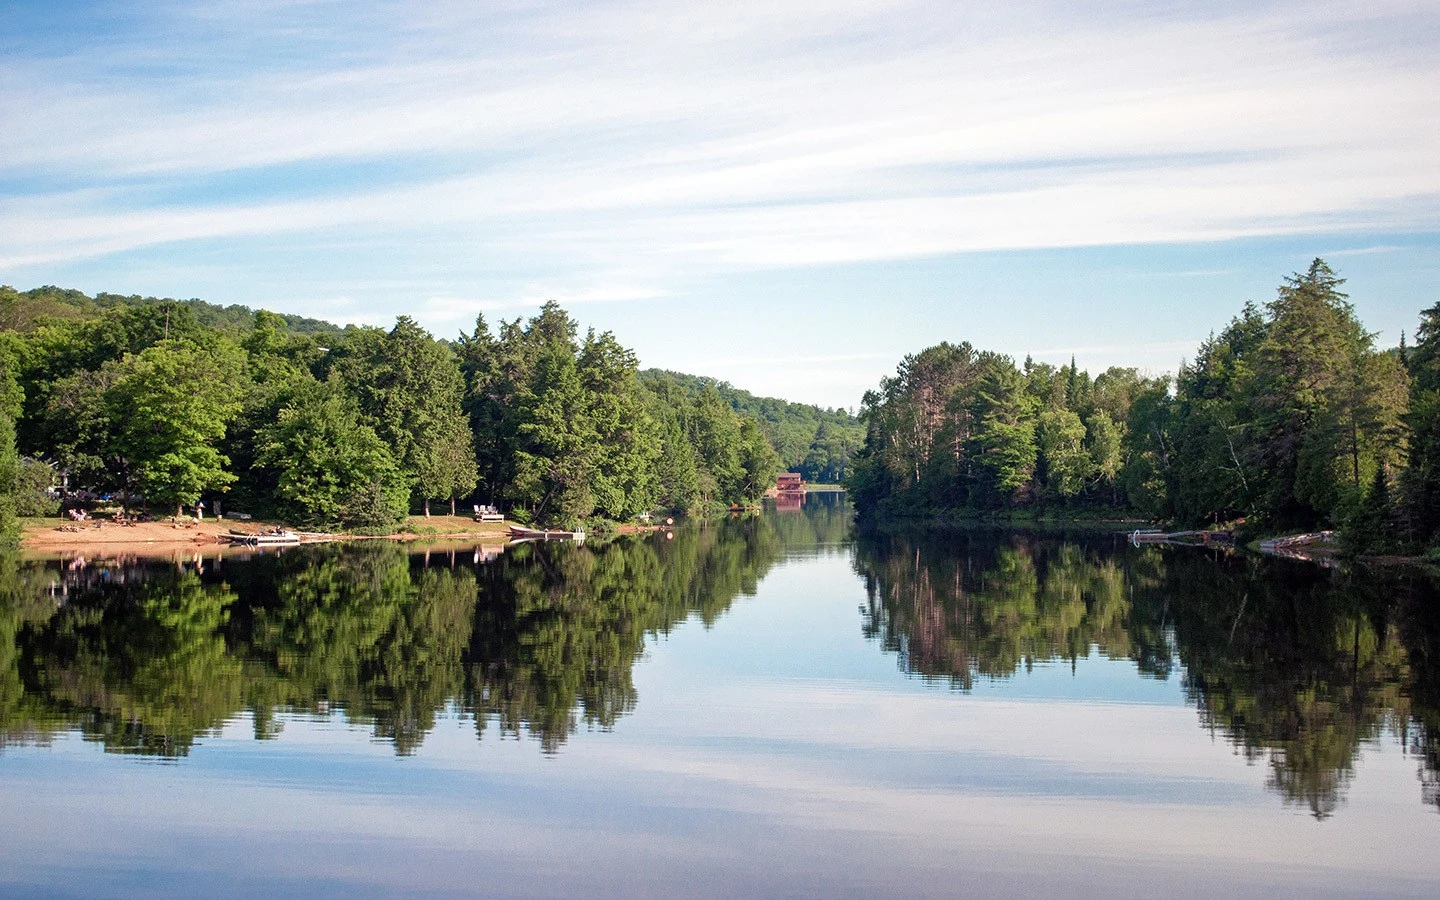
(25, 310)
(816, 442)
(166, 402)
(1290, 417)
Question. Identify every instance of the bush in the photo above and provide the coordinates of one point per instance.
(32, 489)
(373, 505)
(599, 527)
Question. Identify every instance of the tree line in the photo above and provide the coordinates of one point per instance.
(818, 443)
(168, 402)
(1291, 418)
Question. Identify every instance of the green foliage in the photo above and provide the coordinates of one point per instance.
(33, 478)
(1372, 530)
(677, 467)
(1284, 418)
(169, 407)
(11, 399)
(1003, 447)
(26, 310)
(410, 388)
(146, 420)
(1060, 436)
(541, 640)
(1322, 415)
(565, 429)
(816, 442)
(169, 399)
(1420, 480)
(330, 468)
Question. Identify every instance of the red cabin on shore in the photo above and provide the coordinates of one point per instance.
(789, 483)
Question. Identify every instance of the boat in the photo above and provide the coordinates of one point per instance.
(518, 533)
(279, 537)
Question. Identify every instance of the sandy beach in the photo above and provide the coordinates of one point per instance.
(103, 535)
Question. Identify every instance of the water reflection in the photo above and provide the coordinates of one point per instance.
(1298, 668)
(146, 656)
(1295, 666)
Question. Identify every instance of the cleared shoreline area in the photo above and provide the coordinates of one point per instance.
(46, 537)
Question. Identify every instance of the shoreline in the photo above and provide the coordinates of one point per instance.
(51, 538)
(101, 535)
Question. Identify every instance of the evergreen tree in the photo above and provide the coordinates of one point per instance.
(626, 438)
(1421, 480)
(1304, 368)
(1003, 447)
(555, 454)
(1218, 470)
(410, 387)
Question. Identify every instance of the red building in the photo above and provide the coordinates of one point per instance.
(789, 483)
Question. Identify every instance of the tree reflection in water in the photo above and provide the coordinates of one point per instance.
(147, 657)
(1297, 667)
(1294, 665)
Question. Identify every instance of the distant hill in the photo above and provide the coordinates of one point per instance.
(812, 440)
(23, 310)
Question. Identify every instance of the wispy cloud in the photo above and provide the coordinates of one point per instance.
(1364, 251)
(774, 134)
(556, 144)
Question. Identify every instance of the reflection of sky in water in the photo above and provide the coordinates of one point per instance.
(778, 752)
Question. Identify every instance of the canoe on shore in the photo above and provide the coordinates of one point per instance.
(536, 534)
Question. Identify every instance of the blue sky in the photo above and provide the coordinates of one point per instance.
(787, 195)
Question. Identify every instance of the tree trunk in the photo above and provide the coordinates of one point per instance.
(1355, 451)
(452, 507)
(427, 508)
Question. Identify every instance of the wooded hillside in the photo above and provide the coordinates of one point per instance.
(166, 402)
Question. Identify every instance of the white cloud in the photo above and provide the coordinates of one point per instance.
(673, 142)
(1363, 251)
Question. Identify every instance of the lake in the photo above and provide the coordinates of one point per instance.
(770, 705)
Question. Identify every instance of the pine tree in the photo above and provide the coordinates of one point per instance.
(1421, 479)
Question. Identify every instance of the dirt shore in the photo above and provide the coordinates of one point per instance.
(105, 537)
(103, 532)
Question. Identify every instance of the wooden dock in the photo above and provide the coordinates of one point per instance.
(1219, 538)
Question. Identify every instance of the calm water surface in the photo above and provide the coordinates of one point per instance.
(766, 706)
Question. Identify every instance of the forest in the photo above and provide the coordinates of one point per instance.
(162, 403)
(1290, 418)
(818, 443)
